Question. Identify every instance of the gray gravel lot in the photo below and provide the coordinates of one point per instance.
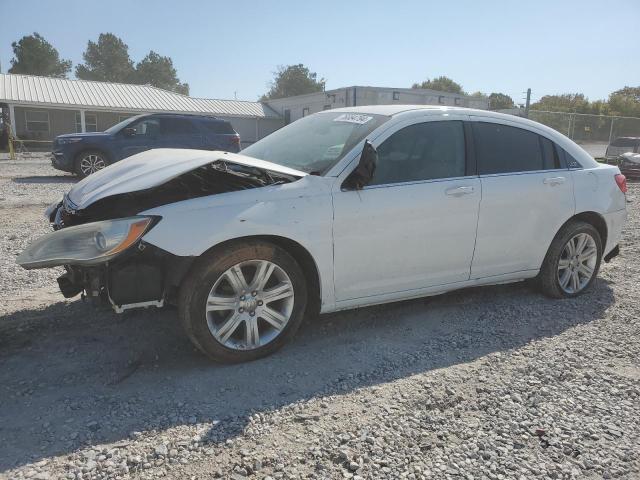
(496, 382)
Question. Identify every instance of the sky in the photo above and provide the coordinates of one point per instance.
(230, 48)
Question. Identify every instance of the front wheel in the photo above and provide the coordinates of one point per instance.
(572, 262)
(89, 162)
(243, 301)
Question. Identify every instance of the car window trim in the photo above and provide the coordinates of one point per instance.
(526, 172)
(418, 182)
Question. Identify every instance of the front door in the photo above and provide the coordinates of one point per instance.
(414, 225)
(147, 131)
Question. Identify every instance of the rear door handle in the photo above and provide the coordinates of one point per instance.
(459, 191)
(554, 181)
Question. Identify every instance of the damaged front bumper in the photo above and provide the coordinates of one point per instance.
(146, 276)
(107, 261)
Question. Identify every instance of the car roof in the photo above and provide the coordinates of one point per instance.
(190, 115)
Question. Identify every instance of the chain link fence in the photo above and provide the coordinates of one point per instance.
(594, 133)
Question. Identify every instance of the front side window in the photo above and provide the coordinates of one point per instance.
(37, 121)
(506, 149)
(424, 151)
(149, 127)
(315, 143)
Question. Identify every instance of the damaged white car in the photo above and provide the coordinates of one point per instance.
(341, 209)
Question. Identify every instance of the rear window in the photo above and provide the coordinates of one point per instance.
(625, 142)
(221, 128)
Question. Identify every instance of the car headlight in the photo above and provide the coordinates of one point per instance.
(88, 244)
(62, 141)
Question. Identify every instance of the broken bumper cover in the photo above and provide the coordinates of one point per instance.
(110, 262)
(144, 276)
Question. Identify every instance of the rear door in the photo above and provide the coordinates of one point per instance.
(527, 194)
(414, 225)
(179, 132)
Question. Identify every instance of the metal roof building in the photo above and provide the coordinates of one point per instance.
(42, 107)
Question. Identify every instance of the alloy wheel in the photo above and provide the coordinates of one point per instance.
(91, 163)
(577, 263)
(249, 305)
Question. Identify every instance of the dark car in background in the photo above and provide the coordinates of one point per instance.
(622, 145)
(86, 153)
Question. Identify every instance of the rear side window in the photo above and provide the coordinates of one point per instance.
(177, 126)
(220, 128)
(423, 151)
(505, 149)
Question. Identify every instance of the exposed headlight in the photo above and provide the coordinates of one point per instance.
(88, 244)
(69, 140)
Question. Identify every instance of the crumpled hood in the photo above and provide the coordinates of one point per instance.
(155, 167)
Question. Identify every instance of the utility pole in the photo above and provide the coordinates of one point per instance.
(526, 105)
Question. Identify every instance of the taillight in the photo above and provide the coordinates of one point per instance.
(621, 180)
(235, 139)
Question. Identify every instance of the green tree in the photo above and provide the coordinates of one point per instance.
(498, 101)
(293, 80)
(33, 55)
(107, 60)
(159, 71)
(633, 92)
(442, 84)
(566, 102)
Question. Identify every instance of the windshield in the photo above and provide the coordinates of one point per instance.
(120, 125)
(314, 144)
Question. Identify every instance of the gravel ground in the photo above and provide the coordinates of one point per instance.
(496, 382)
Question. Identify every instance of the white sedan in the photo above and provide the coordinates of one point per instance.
(341, 209)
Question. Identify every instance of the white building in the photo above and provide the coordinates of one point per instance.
(293, 108)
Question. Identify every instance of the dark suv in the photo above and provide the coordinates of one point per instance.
(86, 153)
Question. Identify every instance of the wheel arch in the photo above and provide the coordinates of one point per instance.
(300, 254)
(594, 219)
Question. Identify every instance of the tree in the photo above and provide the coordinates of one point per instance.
(293, 80)
(567, 102)
(498, 101)
(107, 60)
(442, 84)
(632, 92)
(33, 55)
(158, 71)
(479, 94)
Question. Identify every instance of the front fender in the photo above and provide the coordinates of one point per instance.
(303, 215)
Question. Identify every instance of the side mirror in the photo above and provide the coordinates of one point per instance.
(364, 171)
(129, 132)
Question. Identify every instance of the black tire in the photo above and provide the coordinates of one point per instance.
(194, 291)
(548, 280)
(77, 166)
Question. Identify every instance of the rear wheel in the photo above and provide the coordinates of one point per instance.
(89, 162)
(572, 262)
(243, 302)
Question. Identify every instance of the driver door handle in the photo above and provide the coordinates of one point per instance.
(459, 191)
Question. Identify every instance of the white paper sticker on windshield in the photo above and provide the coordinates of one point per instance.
(353, 118)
